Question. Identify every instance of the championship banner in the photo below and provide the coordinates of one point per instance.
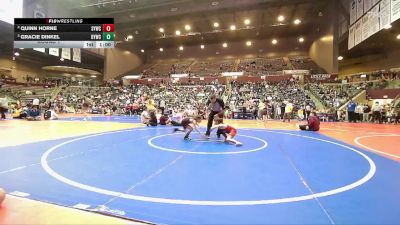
(353, 11)
(358, 33)
(374, 20)
(360, 8)
(351, 37)
(384, 13)
(394, 10)
(365, 27)
(76, 54)
(367, 5)
(54, 51)
(66, 53)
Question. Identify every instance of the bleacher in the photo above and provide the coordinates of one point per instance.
(305, 63)
(262, 66)
(333, 96)
(212, 67)
(27, 94)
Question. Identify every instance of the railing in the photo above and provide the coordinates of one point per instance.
(396, 100)
(317, 100)
(344, 105)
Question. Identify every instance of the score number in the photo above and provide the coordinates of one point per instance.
(108, 32)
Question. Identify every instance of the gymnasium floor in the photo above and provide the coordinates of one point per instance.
(344, 174)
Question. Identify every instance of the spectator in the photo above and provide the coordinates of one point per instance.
(153, 118)
(50, 115)
(313, 123)
(34, 113)
(288, 111)
(145, 117)
(366, 111)
(3, 107)
(376, 112)
(351, 107)
(164, 120)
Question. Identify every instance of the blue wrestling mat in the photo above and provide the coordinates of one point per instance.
(152, 174)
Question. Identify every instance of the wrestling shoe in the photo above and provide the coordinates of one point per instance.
(238, 144)
(187, 139)
(175, 130)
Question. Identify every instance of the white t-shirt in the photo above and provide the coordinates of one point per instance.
(54, 115)
(376, 108)
(35, 101)
(145, 117)
(4, 103)
(162, 103)
(177, 117)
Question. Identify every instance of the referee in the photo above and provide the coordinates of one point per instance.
(216, 106)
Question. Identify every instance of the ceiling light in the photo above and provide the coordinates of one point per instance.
(142, 50)
(180, 48)
(16, 54)
(233, 27)
(297, 21)
(281, 18)
(161, 49)
(398, 36)
(93, 76)
(248, 43)
(274, 42)
(225, 45)
(387, 26)
(187, 27)
(130, 37)
(202, 46)
(301, 40)
(247, 21)
(61, 59)
(161, 30)
(340, 58)
(216, 24)
(178, 32)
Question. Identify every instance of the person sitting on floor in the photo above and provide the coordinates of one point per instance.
(33, 113)
(153, 118)
(50, 115)
(164, 120)
(145, 117)
(313, 123)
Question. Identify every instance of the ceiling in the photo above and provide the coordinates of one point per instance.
(143, 18)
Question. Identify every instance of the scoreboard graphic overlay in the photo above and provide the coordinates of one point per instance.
(64, 33)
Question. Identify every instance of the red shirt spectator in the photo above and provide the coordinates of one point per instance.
(164, 119)
(313, 123)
